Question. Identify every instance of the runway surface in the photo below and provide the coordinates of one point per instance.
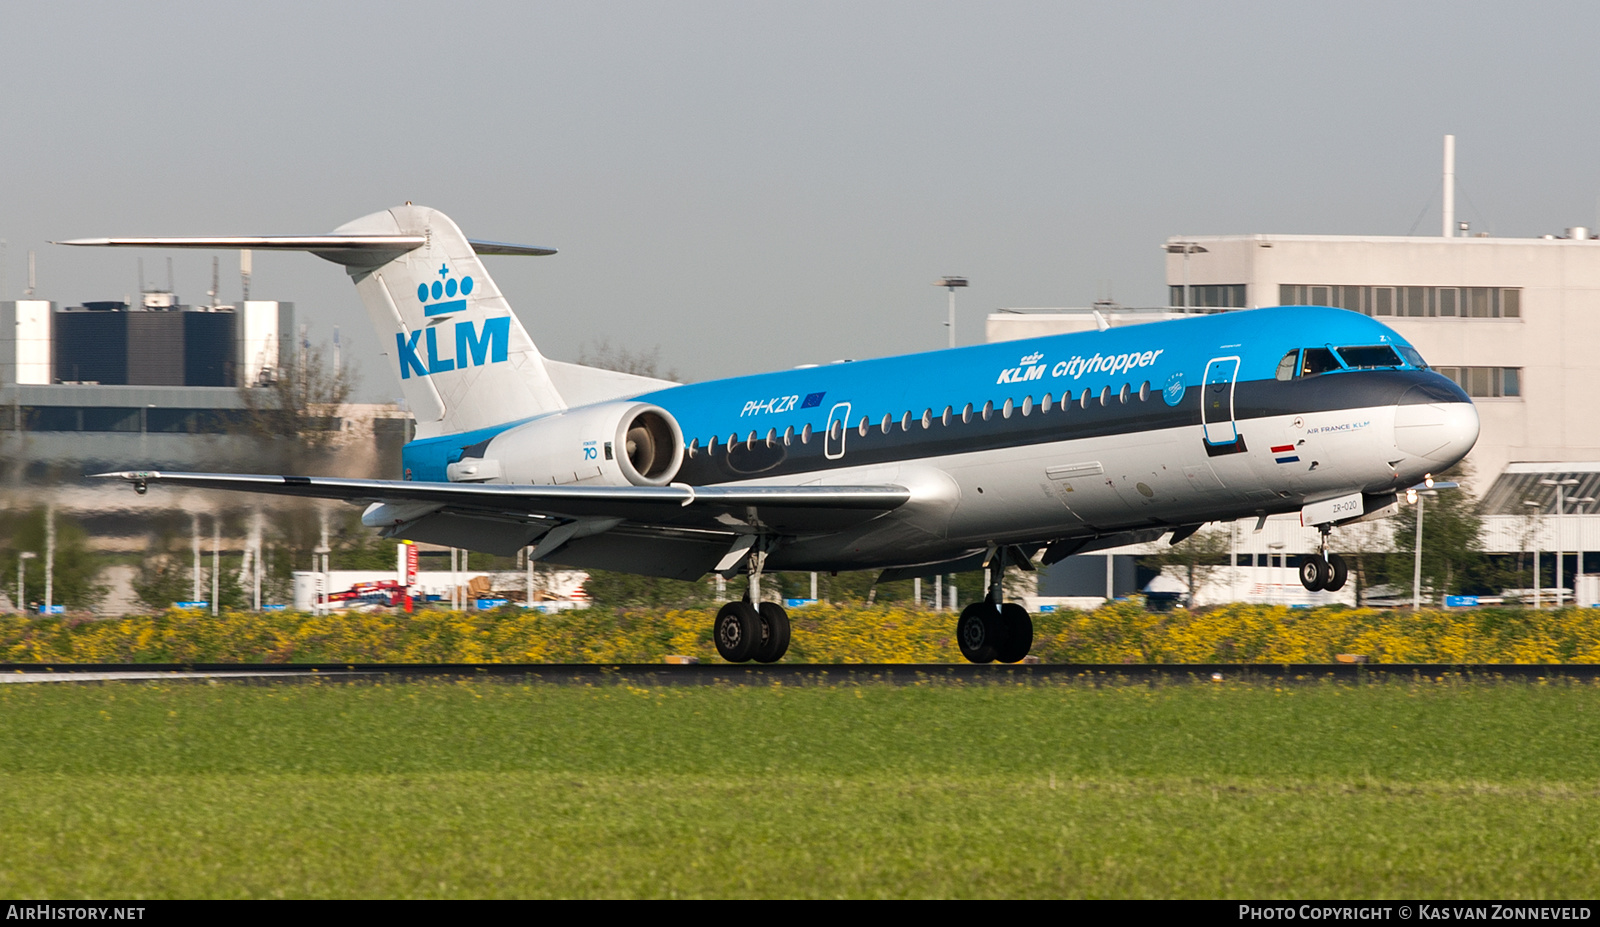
(801, 674)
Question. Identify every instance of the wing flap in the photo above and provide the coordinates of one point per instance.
(783, 508)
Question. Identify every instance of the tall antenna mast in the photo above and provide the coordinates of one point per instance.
(244, 272)
(141, 275)
(32, 274)
(170, 287)
(1449, 186)
(214, 285)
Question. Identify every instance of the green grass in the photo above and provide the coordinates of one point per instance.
(488, 789)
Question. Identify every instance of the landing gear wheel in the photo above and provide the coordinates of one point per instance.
(1338, 572)
(979, 631)
(1313, 572)
(737, 631)
(1018, 639)
(774, 633)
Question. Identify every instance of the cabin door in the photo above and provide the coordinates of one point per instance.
(1216, 405)
(838, 425)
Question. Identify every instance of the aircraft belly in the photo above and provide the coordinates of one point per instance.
(1069, 488)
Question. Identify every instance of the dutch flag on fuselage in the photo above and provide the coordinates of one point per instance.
(1285, 449)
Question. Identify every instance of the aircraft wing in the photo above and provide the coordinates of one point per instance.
(779, 508)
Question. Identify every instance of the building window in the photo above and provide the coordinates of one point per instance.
(1211, 296)
(1412, 302)
(1487, 382)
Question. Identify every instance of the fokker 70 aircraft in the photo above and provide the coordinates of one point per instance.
(917, 465)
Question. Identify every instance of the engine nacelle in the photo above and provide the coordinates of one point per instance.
(611, 444)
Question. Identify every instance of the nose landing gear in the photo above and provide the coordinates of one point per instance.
(1322, 570)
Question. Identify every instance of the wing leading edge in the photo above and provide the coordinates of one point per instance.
(777, 508)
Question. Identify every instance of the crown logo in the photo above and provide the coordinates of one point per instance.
(441, 296)
(1032, 358)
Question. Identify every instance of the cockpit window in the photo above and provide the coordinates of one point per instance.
(1286, 366)
(1412, 356)
(1317, 360)
(1368, 357)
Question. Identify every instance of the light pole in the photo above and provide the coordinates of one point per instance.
(1580, 573)
(1533, 509)
(951, 283)
(1276, 547)
(1185, 248)
(22, 561)
(1416, 495)
(1561, 486)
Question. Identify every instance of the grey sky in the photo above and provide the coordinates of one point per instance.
(757, 185)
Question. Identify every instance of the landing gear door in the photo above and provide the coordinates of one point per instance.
(1216, 405)
(838, 426)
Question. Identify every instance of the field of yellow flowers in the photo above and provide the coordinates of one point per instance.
(1120, 633)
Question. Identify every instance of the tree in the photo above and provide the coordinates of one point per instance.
(167, 573)
(1197, 556)
(612, 589)
(301, 401)
(639, 363)
(1452, 547)
(73, 571)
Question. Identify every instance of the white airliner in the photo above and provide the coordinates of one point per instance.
(917, 465)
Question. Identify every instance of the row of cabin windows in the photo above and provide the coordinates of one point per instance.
(889, 423)
(1442, 302)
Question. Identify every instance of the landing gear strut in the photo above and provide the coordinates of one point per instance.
(1323, 570)
(751, 629)
(994, 629)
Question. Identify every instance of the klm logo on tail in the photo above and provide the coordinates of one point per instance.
(443, 294)
(475, 345)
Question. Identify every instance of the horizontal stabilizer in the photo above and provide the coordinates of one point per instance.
(265, 242)
(464, 360)
(501, 247)
(312, 243)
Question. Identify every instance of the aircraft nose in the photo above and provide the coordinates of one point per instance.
(1442, 432)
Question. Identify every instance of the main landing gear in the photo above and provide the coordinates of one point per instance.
(752, 632)
(1322, 570)
(751, 629)
(994, 629)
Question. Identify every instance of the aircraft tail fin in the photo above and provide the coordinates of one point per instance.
(464, 360)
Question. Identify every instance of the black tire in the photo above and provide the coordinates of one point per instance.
(1338, 572)
(774, 633)
(979, 632)
(1019, 633)
(737, 631)
(1313, 572)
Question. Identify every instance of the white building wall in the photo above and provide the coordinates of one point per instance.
(266, 333)
(25, 346)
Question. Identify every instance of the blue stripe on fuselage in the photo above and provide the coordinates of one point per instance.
(996, 372)
(1015, 370)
